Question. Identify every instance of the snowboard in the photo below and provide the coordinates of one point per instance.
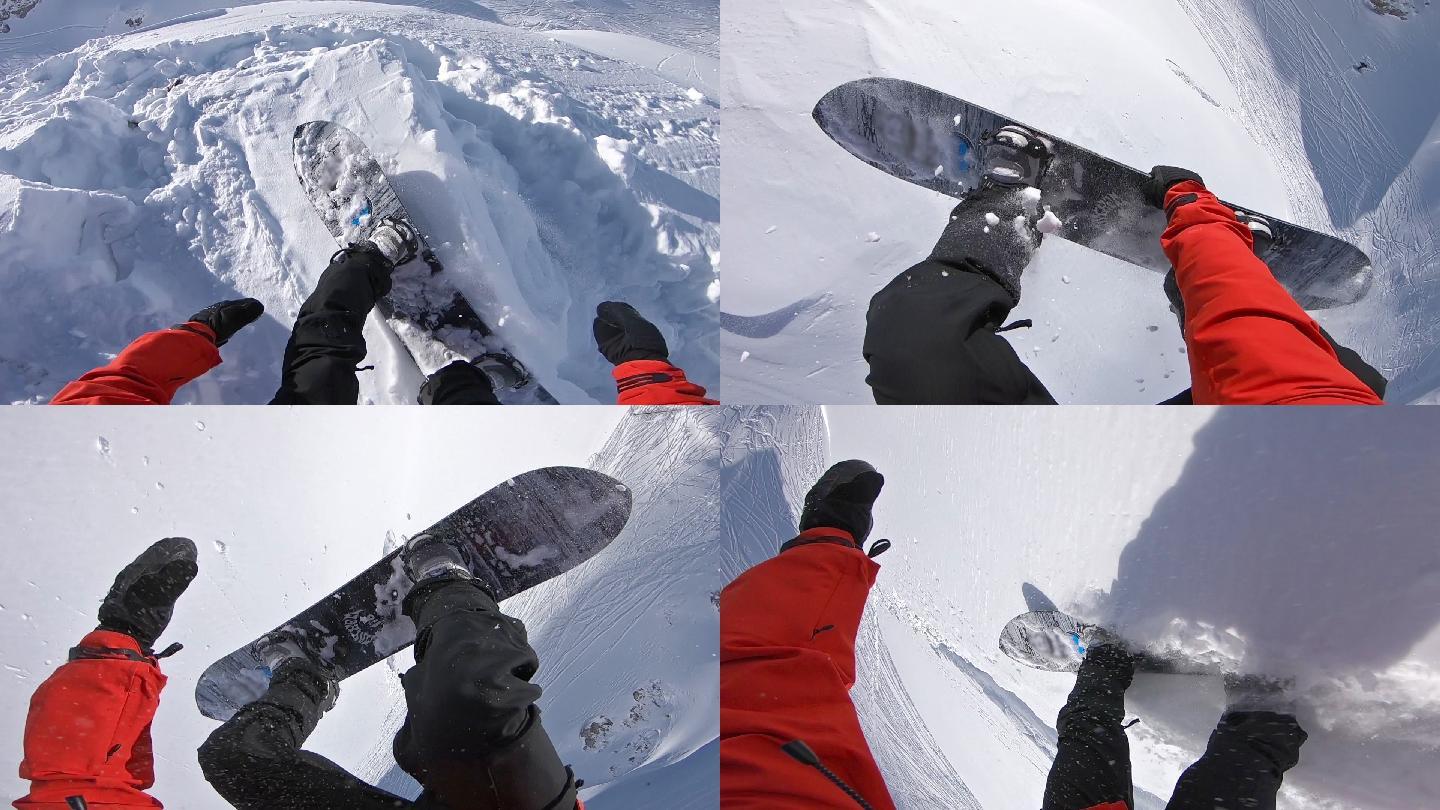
(527, 530)
(1053, 641)
(937, 141)
(350, 191)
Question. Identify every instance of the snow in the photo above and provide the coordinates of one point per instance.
(145, 175)
(1299, 543)
(628, 635)
(1259, 97)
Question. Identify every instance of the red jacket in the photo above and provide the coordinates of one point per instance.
(88, 730)
(787, 662)
(149, 371)
(1249, 342)
(656, 382)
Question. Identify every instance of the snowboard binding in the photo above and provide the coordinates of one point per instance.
(397, 239)
(427, 556)
(505, 372)
(1014, 157)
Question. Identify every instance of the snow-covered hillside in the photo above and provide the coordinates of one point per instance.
(145, 175)
(626, 641)
(1322, 112)
(1301, 544)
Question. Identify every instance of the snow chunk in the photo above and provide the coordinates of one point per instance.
(1049, 223)
(992, 219)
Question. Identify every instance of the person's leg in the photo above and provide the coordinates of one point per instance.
(88, 730)
(472, 736)
(327, 341)
(1244, 764)
(459, 383)
(255, 760)
(787, 658)
(931, 333)
(1092, 757)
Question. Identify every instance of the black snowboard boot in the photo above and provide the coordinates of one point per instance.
(397, 239)
(1015, 156)
(142, 599)
(428, 556)
(842, 499)
(285, 650)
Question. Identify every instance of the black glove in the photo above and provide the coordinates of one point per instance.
(1162, 178)
(842, 499)
(142, 599)
(624, 335)
(228, 317)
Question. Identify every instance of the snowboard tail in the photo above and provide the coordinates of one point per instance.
(352, 195)
(937, 141)
(523, 532)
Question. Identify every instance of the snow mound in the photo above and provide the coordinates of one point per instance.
(146, 175)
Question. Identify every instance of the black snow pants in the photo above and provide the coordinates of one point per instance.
(472, 735)
(1241, 769)
(932, 334)
(327, 342)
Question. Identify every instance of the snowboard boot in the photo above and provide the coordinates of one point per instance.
(427, 556)
(285, 649)
(142, 598)
(1015, 157)
(397, 239)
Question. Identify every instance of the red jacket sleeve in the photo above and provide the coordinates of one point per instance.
(787, 662)
(88, 730)
(656, 382)
(1249, 342)
(149, 371)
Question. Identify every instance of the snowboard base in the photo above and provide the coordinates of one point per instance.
(937, 141)
(523, 532)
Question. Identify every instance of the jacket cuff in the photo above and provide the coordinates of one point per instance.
(198, 328)
(822, 534)
(1183, 193)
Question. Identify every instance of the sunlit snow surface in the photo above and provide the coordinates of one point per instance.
(1262, 98)
(146, 175)
(1297, 544)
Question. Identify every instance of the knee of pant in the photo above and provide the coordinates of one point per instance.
(337, 332)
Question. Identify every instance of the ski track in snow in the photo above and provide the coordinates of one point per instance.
(144, 176)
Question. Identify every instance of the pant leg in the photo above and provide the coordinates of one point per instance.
(930, 335)
(328, 341)
(472, 736)
(459, 383)
(787, 662)
(87, 733)
(255, 760)
(1092, 758)
(1243, 765)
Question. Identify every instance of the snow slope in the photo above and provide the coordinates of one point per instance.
(628, 635)
(1259, 97)
(144, 176)
(1300, 544)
